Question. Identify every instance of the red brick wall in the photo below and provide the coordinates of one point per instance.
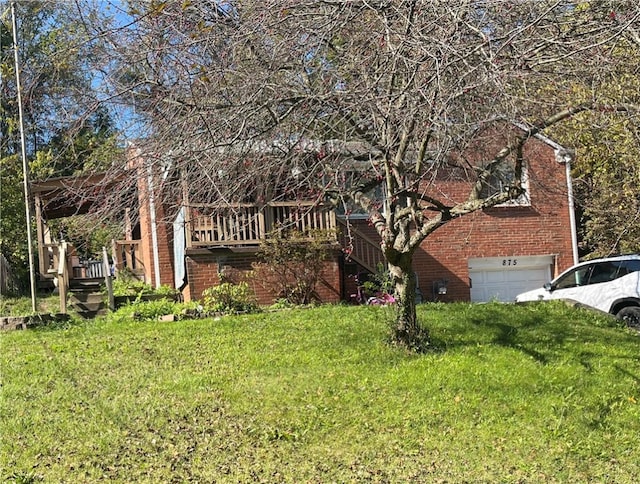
(203, 266)
(543, 228)
(164, 235)
(164, 228)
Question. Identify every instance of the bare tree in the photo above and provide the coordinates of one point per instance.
(273, 99)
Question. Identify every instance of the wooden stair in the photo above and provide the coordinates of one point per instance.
(86, 298)
(363, 251)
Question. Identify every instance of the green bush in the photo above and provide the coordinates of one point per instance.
(129, 287)
(150, 310)
(281, 303)
(228, 298)
(126, 284)
(291, 263)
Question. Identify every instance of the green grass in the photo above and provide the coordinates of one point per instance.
(21, 306)
(540, 393)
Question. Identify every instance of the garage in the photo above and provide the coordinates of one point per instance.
(502, 278)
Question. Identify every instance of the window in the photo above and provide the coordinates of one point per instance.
(597, 273)
(628, 266)
(603, 272)
(577, 277)
(352, 178)
(502, 178)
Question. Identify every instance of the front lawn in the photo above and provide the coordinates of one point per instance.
(22, 306)
(540, 393)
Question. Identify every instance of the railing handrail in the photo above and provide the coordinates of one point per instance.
(248, 224)
(360, 234)
(128, 242)
(301, 203)
(47, 264)
(373, 255)
(126, 253)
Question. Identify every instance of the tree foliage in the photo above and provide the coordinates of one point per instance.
(285, 99)
(606, 170)
(67, 130)
(291, 263)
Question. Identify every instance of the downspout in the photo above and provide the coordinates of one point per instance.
(154, 230)
(566, 156)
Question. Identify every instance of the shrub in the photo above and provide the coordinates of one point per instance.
(379, 283)
(126, 284)
(281, 304)
(228, 298)
(150, 310)
(291, 263)
(127, 287)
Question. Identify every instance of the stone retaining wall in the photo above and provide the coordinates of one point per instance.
(8, 323)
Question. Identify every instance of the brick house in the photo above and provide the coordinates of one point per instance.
(499, 252)
(494, 253)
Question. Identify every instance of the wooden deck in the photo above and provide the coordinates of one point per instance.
(246, 224)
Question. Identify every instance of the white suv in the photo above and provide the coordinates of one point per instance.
(611, 285)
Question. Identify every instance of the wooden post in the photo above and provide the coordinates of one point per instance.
(108, 278)
(187, 210)
(63, 277)
(262, 228)
(128, 231)
(115, 257)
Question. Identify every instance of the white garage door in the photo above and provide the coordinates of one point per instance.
(503, 278)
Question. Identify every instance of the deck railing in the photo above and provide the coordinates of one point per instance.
(77, 267)
(127, 255)
(49, 260)
(247, 224)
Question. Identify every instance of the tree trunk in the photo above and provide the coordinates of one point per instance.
(407, 332)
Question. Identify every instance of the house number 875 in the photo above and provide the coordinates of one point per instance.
(509, 262)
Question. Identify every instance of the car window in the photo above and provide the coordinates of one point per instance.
(577, 277)
(597, 273)
(628, 266)
(603, 272)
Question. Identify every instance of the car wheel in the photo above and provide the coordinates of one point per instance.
(631, 316)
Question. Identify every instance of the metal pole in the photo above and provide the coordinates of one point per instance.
(25, 165)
